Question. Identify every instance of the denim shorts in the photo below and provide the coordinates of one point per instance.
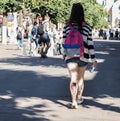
(45, 38)
(76, 60)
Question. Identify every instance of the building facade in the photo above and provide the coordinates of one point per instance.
(113, 8)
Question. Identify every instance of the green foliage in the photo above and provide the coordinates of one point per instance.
(10, 5)
(115, 1)
(94, 13)
(59, 10)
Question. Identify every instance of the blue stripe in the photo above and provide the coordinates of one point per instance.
(71, 46)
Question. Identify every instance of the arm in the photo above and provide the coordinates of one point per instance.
(91, 48)
(63, 39)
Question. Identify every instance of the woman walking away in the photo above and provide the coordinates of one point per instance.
(77, 64)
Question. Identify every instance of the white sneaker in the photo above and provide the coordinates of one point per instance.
(80, 101)
(74, 105)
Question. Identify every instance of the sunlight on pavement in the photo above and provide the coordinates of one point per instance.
(104, 53)
(5, 97)
(22, 102)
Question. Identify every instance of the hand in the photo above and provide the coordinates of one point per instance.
(95, 64)
(63, 56)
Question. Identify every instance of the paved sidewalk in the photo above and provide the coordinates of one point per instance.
(36, 89)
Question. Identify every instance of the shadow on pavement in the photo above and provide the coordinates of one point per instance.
(107, 80)
(22, 90)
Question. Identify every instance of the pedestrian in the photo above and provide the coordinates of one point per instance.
(116, 33)
(77, 65)
(20, 36)
(34, 38)
(29, 29)
(1, 21)
(111, 31)
(44, 38)
(59, 41)
(53, 40)
(101, 33)
(104, 34)
(40, 32)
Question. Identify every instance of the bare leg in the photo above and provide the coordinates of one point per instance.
(73, 70)
(47, 46)
(80, 82)
(42, 48)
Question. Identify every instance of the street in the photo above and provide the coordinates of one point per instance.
(37, 89)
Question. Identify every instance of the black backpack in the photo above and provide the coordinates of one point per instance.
(33, 32)
(19, 35)
(40, 30)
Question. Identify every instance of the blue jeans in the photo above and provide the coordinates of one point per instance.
(44, 41)
(20, 42)
(44, 38)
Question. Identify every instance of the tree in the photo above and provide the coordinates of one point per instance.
(94, 13)
(59, 10)
(10, 5)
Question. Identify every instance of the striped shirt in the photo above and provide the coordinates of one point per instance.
(89, 53)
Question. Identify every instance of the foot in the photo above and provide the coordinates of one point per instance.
(74, 105)
(80, 101)
(43, 56)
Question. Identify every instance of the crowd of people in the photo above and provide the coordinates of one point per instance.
(105, 33)
(41, 36)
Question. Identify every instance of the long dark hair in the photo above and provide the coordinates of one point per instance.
(77, 14)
